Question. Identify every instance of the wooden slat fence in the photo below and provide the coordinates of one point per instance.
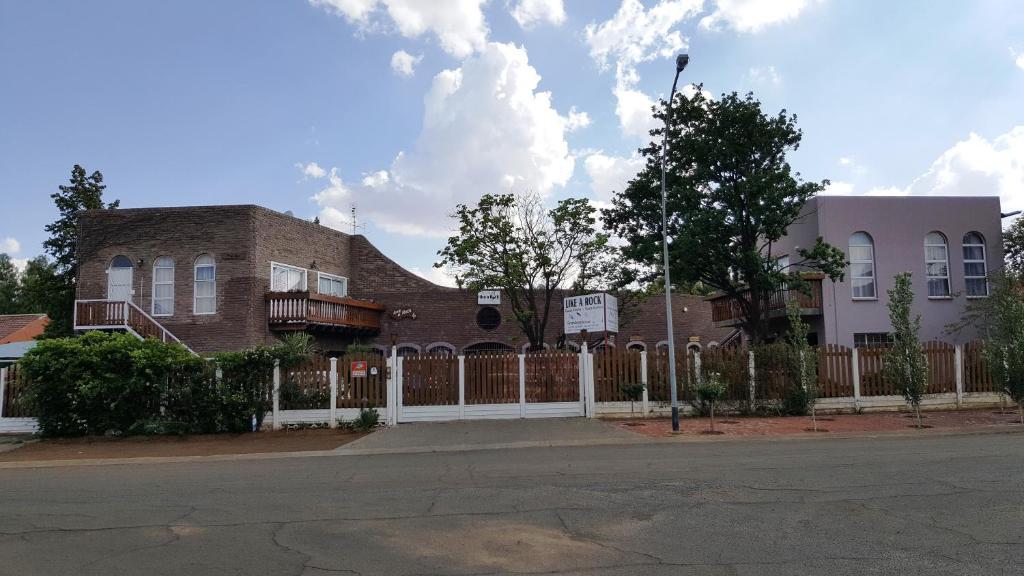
(977, 377)
(492, 378)
(307, 386)
(368, 391)
(772, 375)
(658, 376)
(734, 366)
(614, 367)
(835, 371)
(552, 376)
(941, 359)
(430, 380)
(15, 388)
(872, 379)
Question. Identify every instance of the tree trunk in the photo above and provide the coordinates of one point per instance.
(917, 409)
(814, 420)
(1020, 410)
(712, 415)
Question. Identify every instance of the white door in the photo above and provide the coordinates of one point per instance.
(119, 283)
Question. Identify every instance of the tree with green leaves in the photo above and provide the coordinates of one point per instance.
(528, 251)
(10, 286)
(731, 195)
(85, 192)
(1013, 246)
(1000, 319)
(801, 360)
(37, 284)
(904, 363)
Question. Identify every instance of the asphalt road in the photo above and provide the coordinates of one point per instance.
(922, 505)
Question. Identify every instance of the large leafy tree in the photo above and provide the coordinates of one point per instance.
(84, 192)
(1013, 245)
(10, 286)
(731, 196)
(528, 251)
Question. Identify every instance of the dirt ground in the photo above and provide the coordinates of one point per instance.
(842, 423)
(200, 445)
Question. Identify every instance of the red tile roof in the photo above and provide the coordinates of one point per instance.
(12, 324)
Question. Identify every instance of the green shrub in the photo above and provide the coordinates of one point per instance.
(367, 420)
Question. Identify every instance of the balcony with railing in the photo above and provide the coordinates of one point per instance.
(311, 311)
(119, 315)
(727, 312)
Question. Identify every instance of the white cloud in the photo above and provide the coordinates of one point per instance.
(765, 75)
(850, 163)
(10, 246)
(1018, 58)
(530, 12)
(459, 26)
(752, 15)
(610, 174)
(838, 188)
(486, 129)
(576, 120)
(435, 275)
(634, 35)
(311, 170)
(404, 64)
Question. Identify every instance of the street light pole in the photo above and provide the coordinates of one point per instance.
(681, 61)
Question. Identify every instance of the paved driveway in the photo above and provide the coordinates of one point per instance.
(950, 505)
(470, 434)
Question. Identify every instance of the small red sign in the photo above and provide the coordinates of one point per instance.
(359, 369)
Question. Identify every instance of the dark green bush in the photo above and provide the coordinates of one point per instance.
(367, 420)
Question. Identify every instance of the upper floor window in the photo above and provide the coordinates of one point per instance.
(332, 285)
(862, 266)
(975, 266)
(163, 286)
(205, 289)
(936, 263)
(284, 278)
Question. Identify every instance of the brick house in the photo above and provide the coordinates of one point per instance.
(229, 277)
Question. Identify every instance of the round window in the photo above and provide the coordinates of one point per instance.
(488, 318)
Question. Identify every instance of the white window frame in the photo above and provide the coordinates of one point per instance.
(153, 297)
(871, 262)
(305, 275)
(332, 277)
(928, 277)
(195, 285)
(983, 261)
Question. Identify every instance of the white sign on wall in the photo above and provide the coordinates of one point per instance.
(593, 313)
(488, 297)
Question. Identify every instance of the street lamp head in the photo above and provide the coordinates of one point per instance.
(681, 61)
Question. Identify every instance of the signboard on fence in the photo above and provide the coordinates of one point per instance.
(359, 369)
(488, 297)
(593, 313)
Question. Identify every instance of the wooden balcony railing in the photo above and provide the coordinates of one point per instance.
(299, 310)
(119, 315)
(727, 311)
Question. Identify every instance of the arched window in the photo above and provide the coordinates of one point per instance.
(205, 286)
(936, 265)
(487, 348)
(637, 346)
(693, 347)
(975, 265)
(408, 350)
(862, 266)
(488, 318)
(163, 286)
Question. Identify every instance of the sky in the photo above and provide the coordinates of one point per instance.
(405, 108)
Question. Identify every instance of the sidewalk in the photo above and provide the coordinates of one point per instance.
(876, 422)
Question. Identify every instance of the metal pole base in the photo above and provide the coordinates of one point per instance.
(675, 418)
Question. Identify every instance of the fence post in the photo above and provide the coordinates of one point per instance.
(855, 370)
(753, 376)
(698, 374)
(591, 395)
(394, 388)
(334, 394)
(3, 389)
(276, 421)
(958, 367)
(644, 398)
(462, 387)
(522, 385)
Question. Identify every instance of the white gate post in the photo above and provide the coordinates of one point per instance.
(591, 399)
(958, 364)
(751, 369)
(698, 374)
(644, 401)
(334, 394)
(3, 386)
(276, 421)
(856, 379)
(394, 388)
(462, 387)
(522, 385)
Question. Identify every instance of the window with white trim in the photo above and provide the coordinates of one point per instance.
(163, 286)
(862, 266)
(936, 265)
(205, 286)
(975, 265)
(284, 278)
(332, 285)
